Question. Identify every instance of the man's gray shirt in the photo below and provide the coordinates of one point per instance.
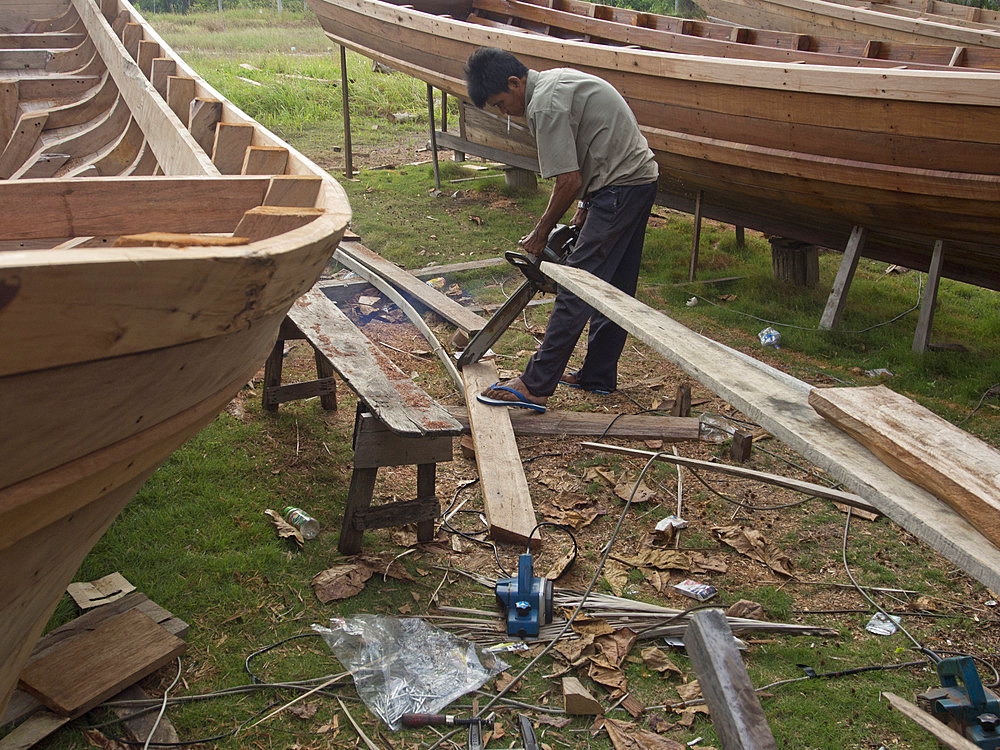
(581, 122)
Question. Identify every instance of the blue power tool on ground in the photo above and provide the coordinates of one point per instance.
(968, 708)
(527, 599)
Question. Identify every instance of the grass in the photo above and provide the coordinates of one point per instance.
(195, 538)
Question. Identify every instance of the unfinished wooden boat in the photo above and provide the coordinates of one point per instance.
(912, 21)
(145, 268)
(798, 150)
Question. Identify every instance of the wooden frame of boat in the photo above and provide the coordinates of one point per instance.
(146, 264)
(798, 150)
(919, 22)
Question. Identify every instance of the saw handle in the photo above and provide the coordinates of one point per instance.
(527, 265)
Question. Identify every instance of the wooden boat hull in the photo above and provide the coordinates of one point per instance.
(854, 21)
(133, 306)
(801, 151)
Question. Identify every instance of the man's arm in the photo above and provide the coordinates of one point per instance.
(563, 194)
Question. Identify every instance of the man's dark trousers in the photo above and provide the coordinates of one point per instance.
(609, 247)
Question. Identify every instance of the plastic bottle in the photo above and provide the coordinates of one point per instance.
(301, 520)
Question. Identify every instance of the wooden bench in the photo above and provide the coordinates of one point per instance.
(397, 423)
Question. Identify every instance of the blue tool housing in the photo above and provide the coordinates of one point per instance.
(968, 706)
(527, 599)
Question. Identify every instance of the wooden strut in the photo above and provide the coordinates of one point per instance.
(923, 333)
(345, 97)
(842, 283)
(434, 150)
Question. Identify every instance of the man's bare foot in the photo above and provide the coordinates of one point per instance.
(516, 385)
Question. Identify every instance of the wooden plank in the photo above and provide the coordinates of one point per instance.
(388, 392)
(340, 291)
(203, 116)
(180, 92)
(842, 283)
(232, 139)
(265, 160)
(148, 51)
(33, 730)
(376, 445)
(293, 190)
(919, 445)
(267, 221)
(925, 320)
(89, 669)
(131, 37)
(735, 709)
(173, 204)
(22, 142)
(162, 69)
(175, 149)
(509, 511)
(944, 734)
(779, 403)
(809, 488)
(176, 239)
(415, 289)
(570, 423)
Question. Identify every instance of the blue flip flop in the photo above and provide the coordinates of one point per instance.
(521, 402)
(595, 391)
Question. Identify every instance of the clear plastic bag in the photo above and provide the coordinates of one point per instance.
(404, 665)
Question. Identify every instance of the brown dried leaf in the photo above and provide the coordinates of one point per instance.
(687, 714)
(583, 625)
(657, 580)
(616, 575)
(285, 529)
(575, 649)
(340, 581)
(626, 484)
(503, 680)
(751, 542)
(304, 710)
(660, 559)
(659, 723)
(626, 736)
(602, 476)
(603, 673)
(689, 691)
(747, 609)
(559, 722)
(701, 563)
(656, 660)
(616, 646)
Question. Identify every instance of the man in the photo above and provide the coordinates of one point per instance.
(588, 139)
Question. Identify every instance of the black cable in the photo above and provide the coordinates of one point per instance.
(734, 501)
(259, 652)
(564, 528)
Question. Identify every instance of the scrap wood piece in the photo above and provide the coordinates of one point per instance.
(33, 730)
(395, 399)
(507, 501)
(809, 488)
(577, 700)
(945, 734)
(554, 423)
(140, 723)
(917, 444)
(732, 702)
(778, 402)
(76, 676)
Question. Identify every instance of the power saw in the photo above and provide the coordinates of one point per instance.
(559, 245)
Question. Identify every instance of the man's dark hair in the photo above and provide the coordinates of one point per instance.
(487, 71)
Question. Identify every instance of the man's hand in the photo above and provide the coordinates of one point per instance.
(533, 243)
(579, 217)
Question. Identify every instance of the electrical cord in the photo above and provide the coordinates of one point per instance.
(741, 504)
(163, 708)
(261, 651)
(566, 530)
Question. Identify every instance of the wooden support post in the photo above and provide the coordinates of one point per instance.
(740, 448)
(272, 375)
(795, 262)
(161, 69)
(516, 178)
(434, 148)
(426, 476)
(841, 284)
(359, 497)
(923, 332)
(324, 370)
(693, 267)
(345, 98)
(741, 240)
(735, 709)
(682, 401)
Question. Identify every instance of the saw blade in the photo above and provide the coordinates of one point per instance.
(485, 338)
